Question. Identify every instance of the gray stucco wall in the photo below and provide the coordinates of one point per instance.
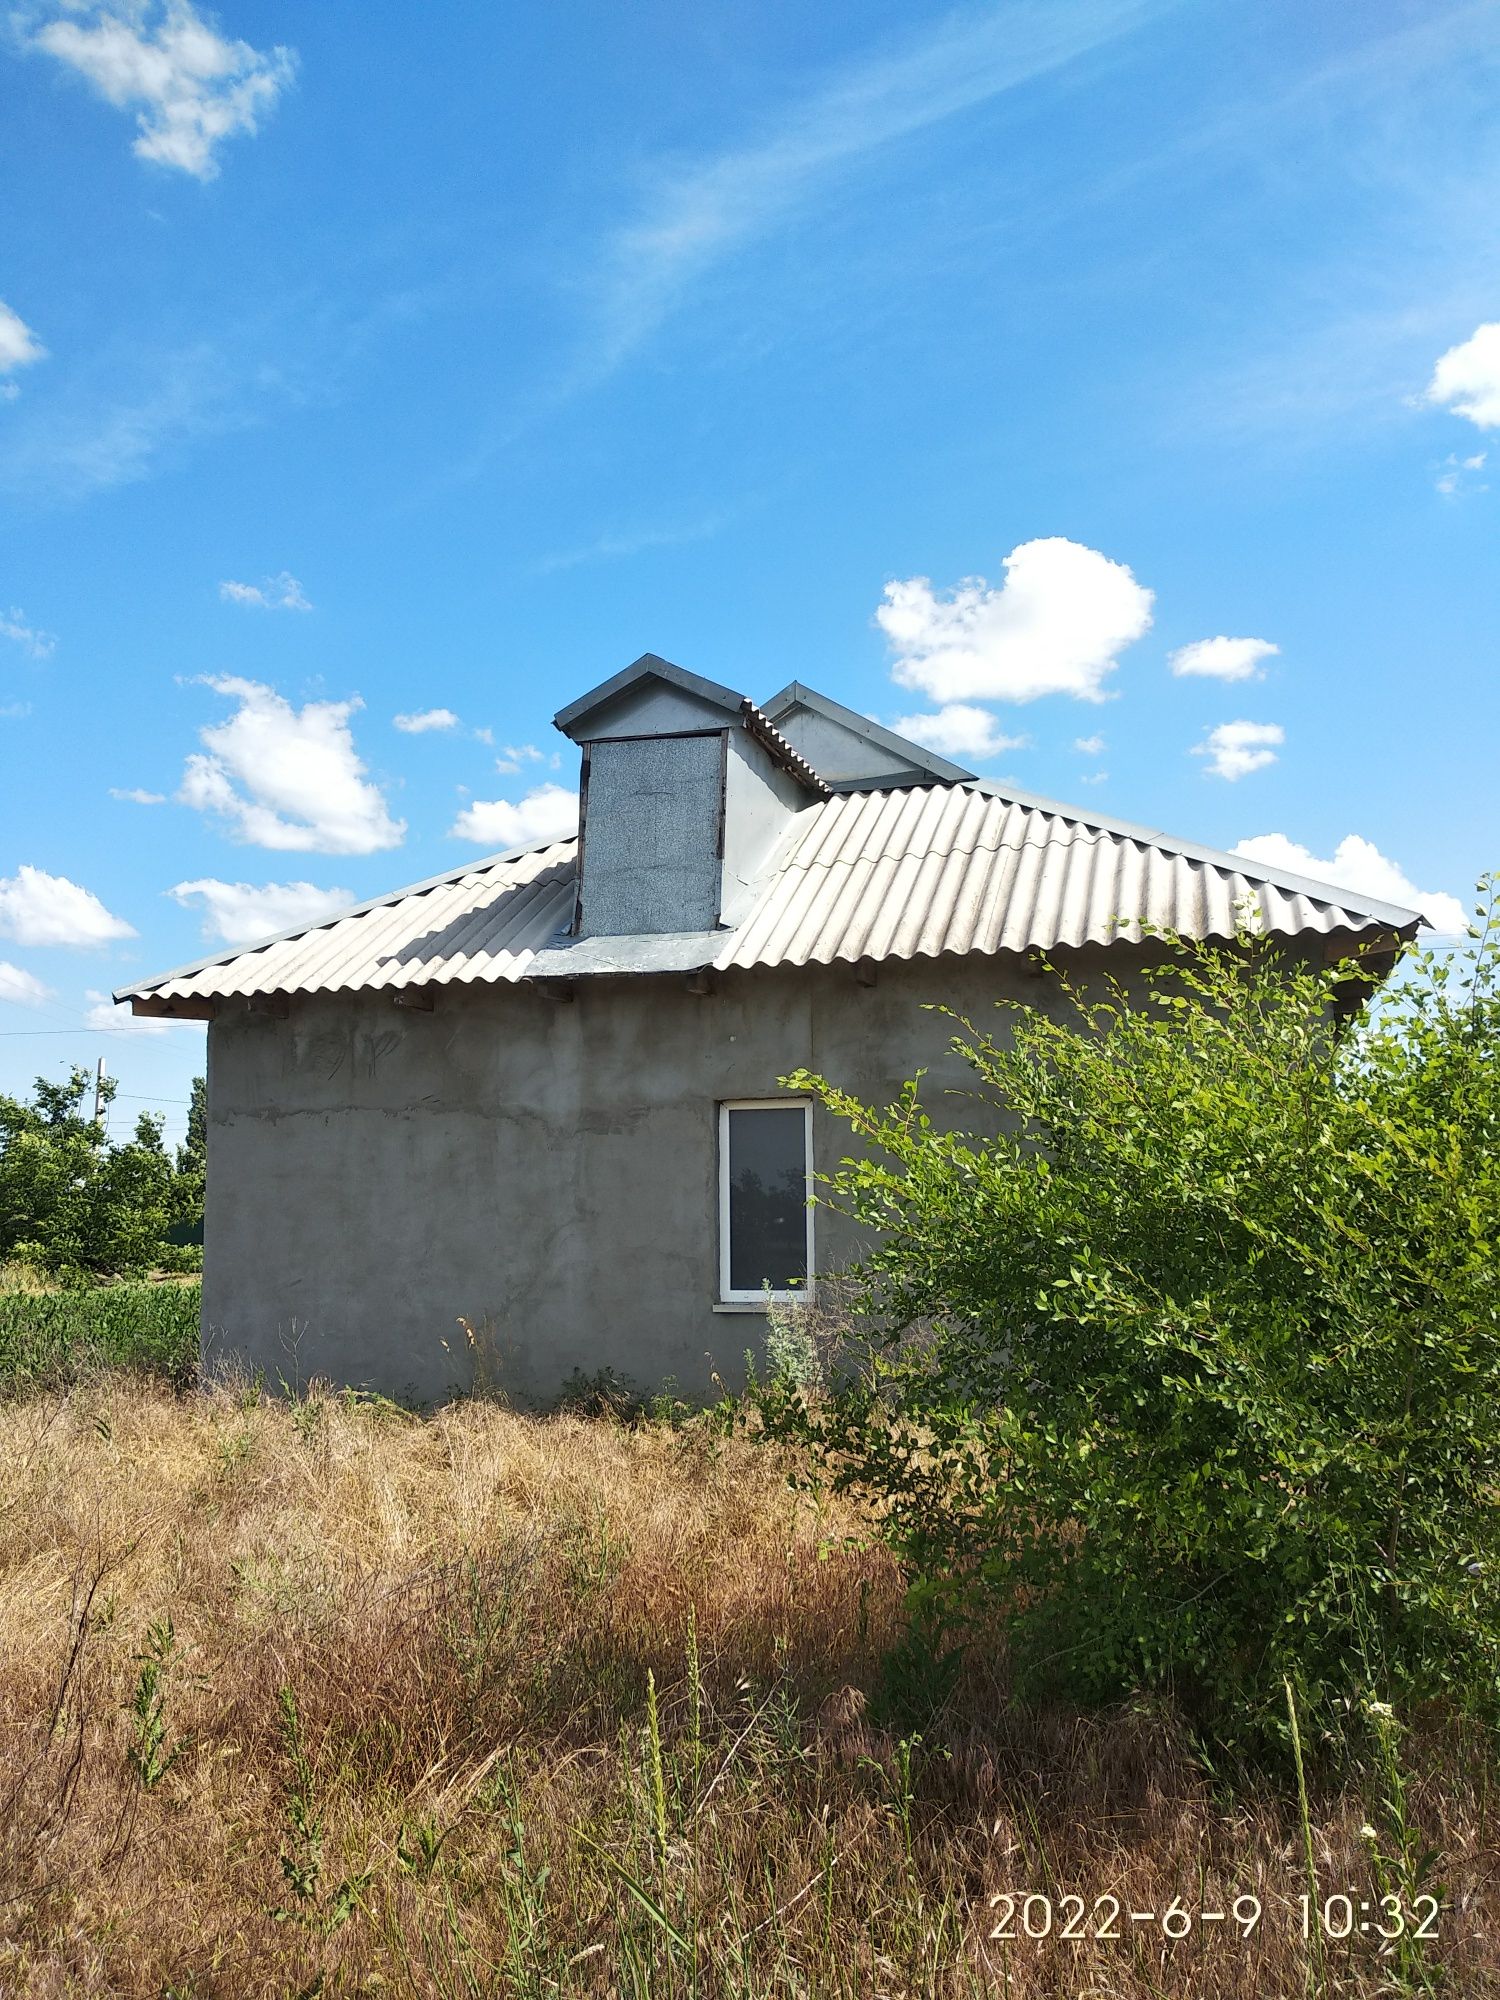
(546, 1168)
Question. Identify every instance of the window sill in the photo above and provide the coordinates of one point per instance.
(760, 1305)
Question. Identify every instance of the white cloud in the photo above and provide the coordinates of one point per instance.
(37, 908)
(239, 912)
(134, 795)
(21, 988)
(1467, 377)
(514, 755)
(190, 88)
(281, 592)
(1054, 626)
(288, 778)
(1358, 864)
(425, 719)
(19, 346)
(108, 1018)
(1089, 746)
(13, 626)
(1453, 473)
(1222, 659)
(1235, 749)
(550, 812)
(12, 711)
(958, 730)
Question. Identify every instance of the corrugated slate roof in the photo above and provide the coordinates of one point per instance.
(960, 868)
(483, 922)
(893, 874)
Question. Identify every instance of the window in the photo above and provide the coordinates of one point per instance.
(765, 1178)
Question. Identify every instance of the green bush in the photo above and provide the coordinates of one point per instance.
(49, 1339)
(1194, 1371)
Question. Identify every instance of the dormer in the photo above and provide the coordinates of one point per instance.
(685, 793)
(852, 753)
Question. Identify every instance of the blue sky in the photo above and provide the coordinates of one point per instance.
(980, 364)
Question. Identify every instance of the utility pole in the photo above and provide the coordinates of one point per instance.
(99, 1093)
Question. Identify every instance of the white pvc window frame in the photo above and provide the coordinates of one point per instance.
(727, 1294)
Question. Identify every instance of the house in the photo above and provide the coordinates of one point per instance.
(540, 1093)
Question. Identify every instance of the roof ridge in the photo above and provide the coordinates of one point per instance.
(760, 725)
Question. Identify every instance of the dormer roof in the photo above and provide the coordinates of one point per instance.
(630, 703)
(854, 752)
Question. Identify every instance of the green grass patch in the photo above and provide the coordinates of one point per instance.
(50, 1339)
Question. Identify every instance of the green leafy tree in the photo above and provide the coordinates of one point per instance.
(73, 1203)
(1193, 1372)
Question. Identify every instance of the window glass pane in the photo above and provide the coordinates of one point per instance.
(767, 1199)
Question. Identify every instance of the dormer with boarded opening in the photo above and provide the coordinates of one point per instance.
(685, 794)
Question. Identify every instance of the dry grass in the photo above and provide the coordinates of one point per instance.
(399, 1738)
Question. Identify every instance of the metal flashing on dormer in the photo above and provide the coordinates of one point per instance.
(573, 720)
(650, 666)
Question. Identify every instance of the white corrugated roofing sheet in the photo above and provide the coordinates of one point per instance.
(896, 874)
(483, 924)
(912, 874)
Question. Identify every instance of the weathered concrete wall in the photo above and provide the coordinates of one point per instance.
(545, 1168)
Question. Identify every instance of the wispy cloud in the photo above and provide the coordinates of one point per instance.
(13, 626)
(1458, 475)
(281, 592)
(137, 795)
(633, 542)
(190, 88)
(513, 756)
(120, 417)
(694, 213)
(132, 407)
(1355, 329)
